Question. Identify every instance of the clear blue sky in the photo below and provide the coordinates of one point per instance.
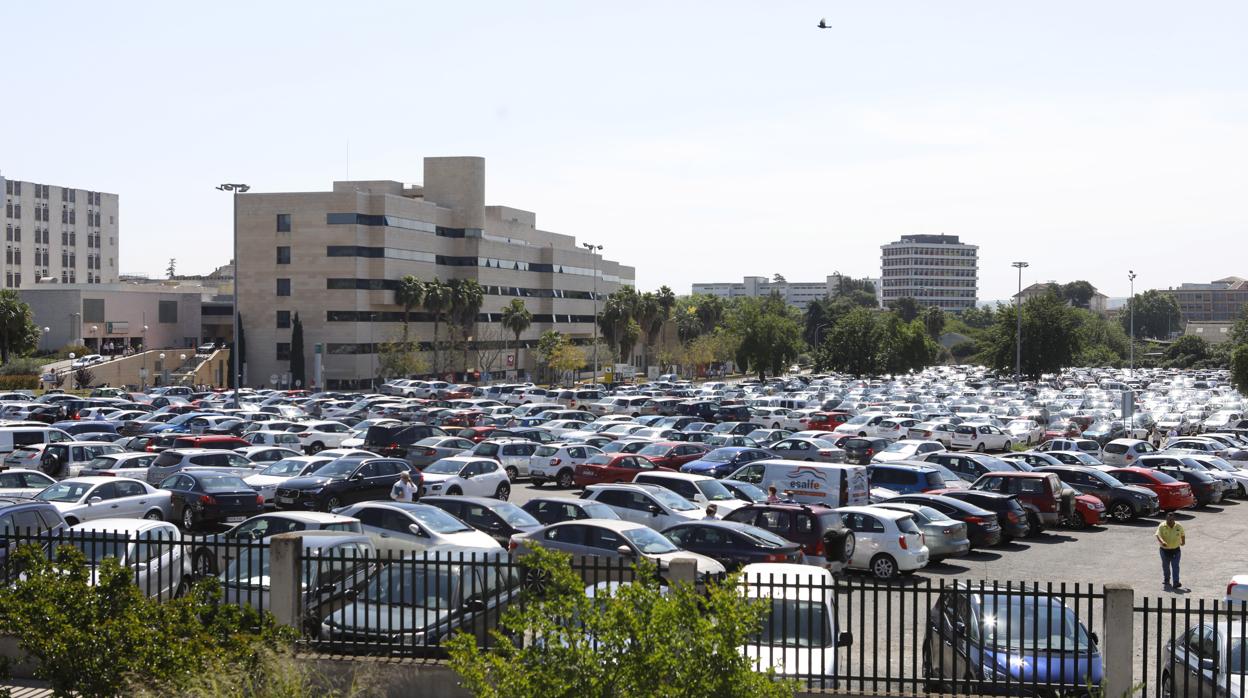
(696, 141)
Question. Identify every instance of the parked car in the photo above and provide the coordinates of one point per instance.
(672, 454)
(733, 544)
(1172, 494)
(723, 461)
(613, 540)
(646, 504)
(1208, 659)
(907, 449)
(550, 510)
(91, 498)
(343, 481)
(176, 459)
(557, 463)
(21, 517)
(1123, 502)
(151, 549)
(944, 537)
(887, 542)
(67, 458)
(23, 483)
(265, 482)
(906, 478)
(1040, 494)
(470, 475)
(205, 497)
(800, 637)
(824, 538)
(512, 454)
(804, 449)
(213, 552)
(1011, 516)
(406, 527)
(981, 438)
(611, 468)
(860, 450)
(498, 519)
(702, 490)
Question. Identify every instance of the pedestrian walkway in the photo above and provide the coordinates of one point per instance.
(21, 688)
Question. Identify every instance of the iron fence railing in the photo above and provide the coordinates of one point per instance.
(1191, 647)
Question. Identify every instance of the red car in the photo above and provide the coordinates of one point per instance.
(1172, 494)
(827, 421)
(1089, 511)
(475, 434)
(672, 454)
(611, 467)
(464, 418)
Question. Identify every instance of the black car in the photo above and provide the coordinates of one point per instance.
(501, 520)
(860, 449)
(1010, 512)
(392, 442)
(550, 510)
(733, 413)
(702, 409)
(733, 544)
(1205, 488)
(200, 497)
(1122, 502)
(982, 526)
(970, 466)
(343, 481)
(537, 434)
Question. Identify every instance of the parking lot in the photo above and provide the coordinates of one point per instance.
(1122, 553)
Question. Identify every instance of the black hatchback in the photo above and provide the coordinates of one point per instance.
(860, 449)
(733, 544)
(1010, 512)
(200, 497)
(343, 481)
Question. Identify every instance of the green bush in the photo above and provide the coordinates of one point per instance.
(23, 367)
(107, 639)
(78, 350)
(18, 382)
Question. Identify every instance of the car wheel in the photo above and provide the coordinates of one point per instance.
(565, 479)
(154, 515)
(1033, 525)
(883, 566)
(1167, 686)
(188, 519)
(934, 685)
(1121, 512)
(981, 447)
(333, 503)
(850, 542)
(316, 448)
(512, 473)
(862, 434)
(454, 492)
(503, 491)
(1076, 521)
(775, 426)
(205, 564)
(184, 588)
(1008, 447)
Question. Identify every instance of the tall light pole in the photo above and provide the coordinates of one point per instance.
(238, 360)
(1131, 304)
(143, 350)
(594, 250)
(1018, 315)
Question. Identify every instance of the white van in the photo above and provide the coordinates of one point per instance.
(829, 484)
(15, 437)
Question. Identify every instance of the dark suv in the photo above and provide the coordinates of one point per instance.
(394, 441)
(1041, 494)
(19, 517)
(860, 449)
(817, 529)
(1122, 502)
(970, 466)
(344, 481)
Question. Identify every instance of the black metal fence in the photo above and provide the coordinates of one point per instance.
(1191, 647)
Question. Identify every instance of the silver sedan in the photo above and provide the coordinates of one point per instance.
(943, 536)
(434, 448)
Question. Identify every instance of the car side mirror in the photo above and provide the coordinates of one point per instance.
(654, 510)
(845, 640)
(95, 500)
(326, 589)
(1096, 640)
(1208, 664)
(474, 605)
(417, 530)
(358, 476)
(625, 551)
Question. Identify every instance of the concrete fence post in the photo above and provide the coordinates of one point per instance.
(285, 572)
(1118, 640)
(682, 570)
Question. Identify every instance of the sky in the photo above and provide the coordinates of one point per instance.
(696, 141)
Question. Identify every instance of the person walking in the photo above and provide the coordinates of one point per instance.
(1171, 537)
(404, 489)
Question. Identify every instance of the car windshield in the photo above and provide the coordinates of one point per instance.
(430, 441)
(899, 448)
(859, 420)
(714, 491)
(764, 539)
(672, 500)
(1109, 480)
(97, 546)
(514, 515)
(1238, 662)
(599, 460)
(338, 468)
(250, 568)
(64, 492)
(101, 463)
(719, 456)
(446, 466)
(654, 450)
(438, 521)
(285, 466)
(1016, 622)
(749, 492)
(597, 510)
(419, 587)
(545, 451)
(794, 623)
(222, 483)
(648, 541)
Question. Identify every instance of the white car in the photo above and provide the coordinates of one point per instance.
(283, 439)
(1125, 452)
(129, 464)
(894, 428)
(23, 483)
(93, 498)
(1025, 431)
(86, 361)
(907, 449)
(153, 552)
(318, 436)
(266, 482)
(799, 636)
(935, 431)
(862, 425)
(466, 475)
(699, 489)
(557, 462)
(649, 505)
(981, 437)
(404, 527)
(266, 454)
(886, 541)
(1237, 591)
(559, 427)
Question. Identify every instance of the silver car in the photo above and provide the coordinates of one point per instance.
(513, 455)
(434, 448)
(943, 536)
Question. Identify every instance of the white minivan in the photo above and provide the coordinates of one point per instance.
(12, 438)
(829, 484)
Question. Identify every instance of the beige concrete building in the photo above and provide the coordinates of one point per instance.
(936, 270)
(334, 258)
(124, 315)
(798, 294)
(1097, 304)
(58, 234)
(1216, 301)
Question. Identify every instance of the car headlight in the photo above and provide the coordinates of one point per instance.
(436, 486)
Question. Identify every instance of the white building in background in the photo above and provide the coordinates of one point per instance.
(58, 234)
(936, 270)
(798, 294)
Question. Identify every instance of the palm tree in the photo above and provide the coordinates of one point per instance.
(467, 297)
(437, 302)
(410, 293)
(667, 301)
(10, 312)
(648, 317)
(517, 318)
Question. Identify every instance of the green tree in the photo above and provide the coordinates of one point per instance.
(769, 333)
(1239, 331)
(649, 322)
(568, 358)
(1239, 369)
(903, 346)
(409, 293)
(517, 318)
(636, 639)
(934, 321)
(1097, 333)
(467, 297)
(18, 333)
(906, 308)
(438, 302)
(1078, 293)
(1186, 351)
(1156, 314)
(547, 345)
(398, 359)
(979, 318)
(298, 370)
(851, 345)
(1050, 337)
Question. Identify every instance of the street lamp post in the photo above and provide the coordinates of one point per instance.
(45, 332)
(75, 328)
(238, 360)
(95, 337)
(1018, 316)
(593, 253)
(143, 350)
(1131, 304)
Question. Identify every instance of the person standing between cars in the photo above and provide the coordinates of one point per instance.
(1171, 536)
(772, 497)
(710, 511)
(404, 489)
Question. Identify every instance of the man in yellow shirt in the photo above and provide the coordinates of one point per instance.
(1171, 537)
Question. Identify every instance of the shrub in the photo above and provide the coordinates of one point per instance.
(18, 382)
(23, 367)
(78, 350)
(83, 377)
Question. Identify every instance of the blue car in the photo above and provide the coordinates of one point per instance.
(905, 479)
(722, 462)
(1008, 642)
(75, 426)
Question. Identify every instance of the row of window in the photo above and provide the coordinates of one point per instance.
(349, 284)
(923, 272)
(930, 251)
(944, 293)
(462, 261)
(928, 283)
(68, 216)
(924, 262)
(398, 316)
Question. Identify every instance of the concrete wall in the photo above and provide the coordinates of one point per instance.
(126, 311)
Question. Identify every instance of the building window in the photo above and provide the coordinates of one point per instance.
(283, 255)
(168, 311)
(283, 319)
(283, 351)
(283, 287)
(283, 222)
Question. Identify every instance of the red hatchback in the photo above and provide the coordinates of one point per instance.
(475, 434)
(827, 421)
(672, 454)
(1172, 494)
(611, 467)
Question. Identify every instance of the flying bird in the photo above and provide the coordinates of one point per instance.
(823, 24)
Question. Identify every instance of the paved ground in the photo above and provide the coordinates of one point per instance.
(1124, 553)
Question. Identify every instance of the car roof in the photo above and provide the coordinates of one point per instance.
(99, 479)
(319, 517)
(487, 502)
(691, 477)
(888, 514)
(914, 467)
(120, 525)
(764, 571)
(613, 524)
